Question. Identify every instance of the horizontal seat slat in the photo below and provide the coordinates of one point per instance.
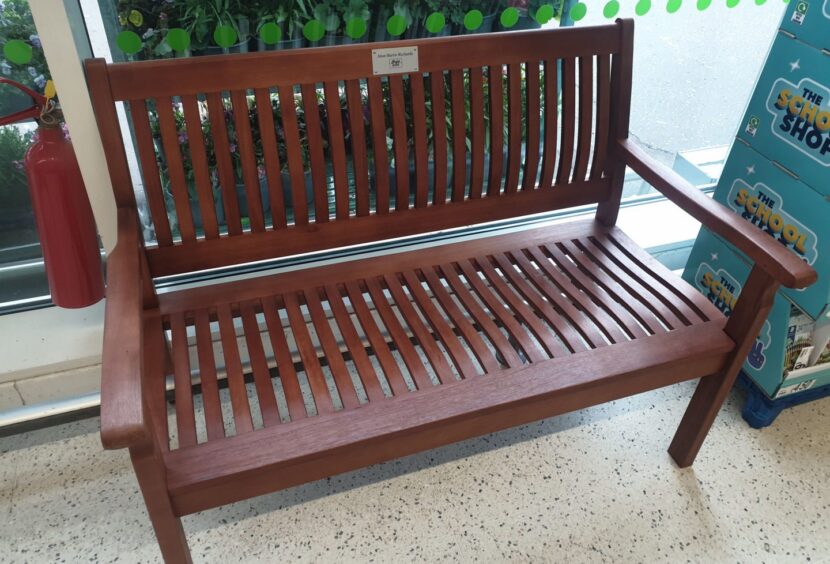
(291, 454)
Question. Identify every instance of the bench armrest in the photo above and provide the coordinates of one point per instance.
(777, 260)
(123, 422)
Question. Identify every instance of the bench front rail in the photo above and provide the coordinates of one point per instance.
(321, 370)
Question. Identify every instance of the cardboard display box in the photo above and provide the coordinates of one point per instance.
(788, 117)
(719, 273)
(787, 210)
(809, 21)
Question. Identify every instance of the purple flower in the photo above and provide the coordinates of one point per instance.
(32, 71)
(35, 40)
(40, 81)
(182, 137)
(232, 147)
(18, 165)
(66, 132)
(260, 171)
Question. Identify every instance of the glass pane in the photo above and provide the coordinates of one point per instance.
(22, 276)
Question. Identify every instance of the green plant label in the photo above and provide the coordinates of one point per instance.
(396, 25)
(473, 20)
(20, 52)
(224, 36)
(314, 30)
(356, 28)
(178, 39)
(129, 42)
(270, 33)
(436, 22)
(509, 17)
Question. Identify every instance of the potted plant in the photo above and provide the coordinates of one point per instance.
(282, 14)
(215, 26)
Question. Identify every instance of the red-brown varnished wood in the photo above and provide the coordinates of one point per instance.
(568, 121)
(514, 127)
(378, 126)
(337, 149)
(271, 156)
(314, 139)
(293, 149)
(149, 166)
(259, 365)
(245, 146)
(603, 106)
(154, 383)
(175, 168)
(419, 139)
(533, 110)
(201, 172)
(214, 424)
(586, 116)
(496, 106)
(224, 165)
(476, 132)
(357, 132)
(551, 122)
(242, 420)
(400, 142)
(439, 136)
(185, 417)
(459, 135)
(285, 364)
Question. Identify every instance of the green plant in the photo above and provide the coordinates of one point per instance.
(16, 23)
(201, 17)
(14, 191)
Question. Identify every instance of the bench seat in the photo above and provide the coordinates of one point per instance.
(436, 345)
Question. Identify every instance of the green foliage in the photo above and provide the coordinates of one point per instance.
(14, 192)
(16, 23)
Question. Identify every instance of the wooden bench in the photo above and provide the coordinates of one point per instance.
(332, 368)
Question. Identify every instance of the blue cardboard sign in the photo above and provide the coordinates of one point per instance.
(809, 21)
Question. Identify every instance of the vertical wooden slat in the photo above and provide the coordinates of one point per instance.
(399, 142)
(271, 156)
(356, 348)
(439, 363)
(533, 97)
(185, 416)
(439, 137)
(314, 135)
(459, 135)
(311, 364)
(337, 147)
(233, 367)
(379, 146)
(288, 110)
(207, 374)
(337, 365)
(495, 82)
(175, 169)
(221, 148)
(473, 338)
(399, 336)
(198, 158)
(563, 173)
(245, 146)
(603, 116)
(439, 325)
(419, 139)
(155, 381)
(586, 102)
(551, 122)
(285, 364)
(379, 346)
(150, 172)
(476, 131)
(357, 130)
(514, 127)
(621, 74)
(259, 366)
(399, 137)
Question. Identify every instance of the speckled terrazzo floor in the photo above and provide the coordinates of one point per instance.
(593, 486)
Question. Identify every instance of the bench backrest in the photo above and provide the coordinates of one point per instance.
(489, 127)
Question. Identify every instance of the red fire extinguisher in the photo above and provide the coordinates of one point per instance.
(63, 216)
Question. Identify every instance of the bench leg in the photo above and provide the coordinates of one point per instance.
(168, 527)
(745, 323)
